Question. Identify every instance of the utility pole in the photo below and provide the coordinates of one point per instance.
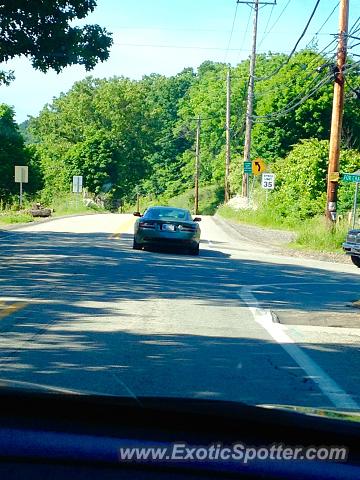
(228, 136)
(250, 98)
(197, 166)
(337, 113)
(250, 101)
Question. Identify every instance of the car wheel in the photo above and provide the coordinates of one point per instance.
(136, 245)
(195, 251)
(355, 260)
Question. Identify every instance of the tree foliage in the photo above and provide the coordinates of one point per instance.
(12, 151)
(43, 31)
(301, 180)
(121, 134)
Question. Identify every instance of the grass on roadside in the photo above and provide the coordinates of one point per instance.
(261, 218)
(13, 217)
(66, 205)
(313, 234)
(72, 205)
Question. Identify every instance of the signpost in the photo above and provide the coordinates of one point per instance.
(355, 204)
(77, 186)
(355, 178)
(77, 183)
(268, 182)
(258, 166)
(21, 176)
(351, 177)
(247, 167)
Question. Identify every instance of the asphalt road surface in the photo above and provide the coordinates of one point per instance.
(81, 310)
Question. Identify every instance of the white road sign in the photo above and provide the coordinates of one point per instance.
(268, 181)
(77, 183)
(21, 174)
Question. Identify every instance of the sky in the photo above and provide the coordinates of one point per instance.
(166, 36)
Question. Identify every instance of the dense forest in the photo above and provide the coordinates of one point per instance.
(124, 135)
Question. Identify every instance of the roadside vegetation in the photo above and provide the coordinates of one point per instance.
(210, 198)
(125, 136)
(298, 201)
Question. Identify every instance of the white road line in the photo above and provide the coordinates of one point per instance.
(327, 385)
(211, 245)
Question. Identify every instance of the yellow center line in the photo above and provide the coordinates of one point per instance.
(12, 308)
(124, 227)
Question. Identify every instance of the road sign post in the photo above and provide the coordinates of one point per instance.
(77, 183)
(258, 166)
(355, 204)
(351, 177)
(77, 186)
(247, 167)
(268, 183)
(21, 176)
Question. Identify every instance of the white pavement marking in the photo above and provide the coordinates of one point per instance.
(327, 385)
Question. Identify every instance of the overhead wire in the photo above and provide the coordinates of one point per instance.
(267, 24)
(294, 48)
(276, 21)
(246, 31)
(232, 32)
(326, 21)
(271, 116)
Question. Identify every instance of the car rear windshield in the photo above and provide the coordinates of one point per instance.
(168, 214)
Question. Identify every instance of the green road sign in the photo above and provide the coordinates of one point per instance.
(351, 177)
(247, 167)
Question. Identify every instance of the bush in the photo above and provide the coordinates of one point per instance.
(301, 180)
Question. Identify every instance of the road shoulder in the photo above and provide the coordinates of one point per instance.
(277, 241)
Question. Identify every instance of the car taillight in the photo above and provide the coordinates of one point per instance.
(147, 225)
(186, 228)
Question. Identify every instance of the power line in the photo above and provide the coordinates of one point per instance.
(246, 31)
(267, 24)
(356, 91)
(352, 29)
(232, 31)
(272, 116)
(295, 47)
(184, 47)
(328, 18)
(282, 85)
(276, 21)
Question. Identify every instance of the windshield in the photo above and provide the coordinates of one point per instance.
(247, 288)
(168, 214)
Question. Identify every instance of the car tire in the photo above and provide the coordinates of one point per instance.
(355, 260)
(195, 251)
(136, 245)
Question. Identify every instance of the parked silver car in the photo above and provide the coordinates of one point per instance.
(352, 246)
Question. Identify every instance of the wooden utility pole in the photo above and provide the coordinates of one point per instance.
(197, 166)
(250, 101)
(228, 136)
(337, 113)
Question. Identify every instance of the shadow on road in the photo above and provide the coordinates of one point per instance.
(74, 280)
(73, 267)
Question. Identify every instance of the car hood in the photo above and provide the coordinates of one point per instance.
(187, 404)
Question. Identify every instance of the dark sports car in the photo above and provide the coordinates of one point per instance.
(167, 226)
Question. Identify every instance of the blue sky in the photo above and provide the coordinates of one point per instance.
(165, 36)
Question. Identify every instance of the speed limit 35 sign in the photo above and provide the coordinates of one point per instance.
(268, 181)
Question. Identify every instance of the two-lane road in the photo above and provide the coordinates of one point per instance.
(79, 309)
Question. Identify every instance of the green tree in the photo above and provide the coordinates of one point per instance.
(12, 151)
(301, 180)
(43, 31)
(100, 130)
